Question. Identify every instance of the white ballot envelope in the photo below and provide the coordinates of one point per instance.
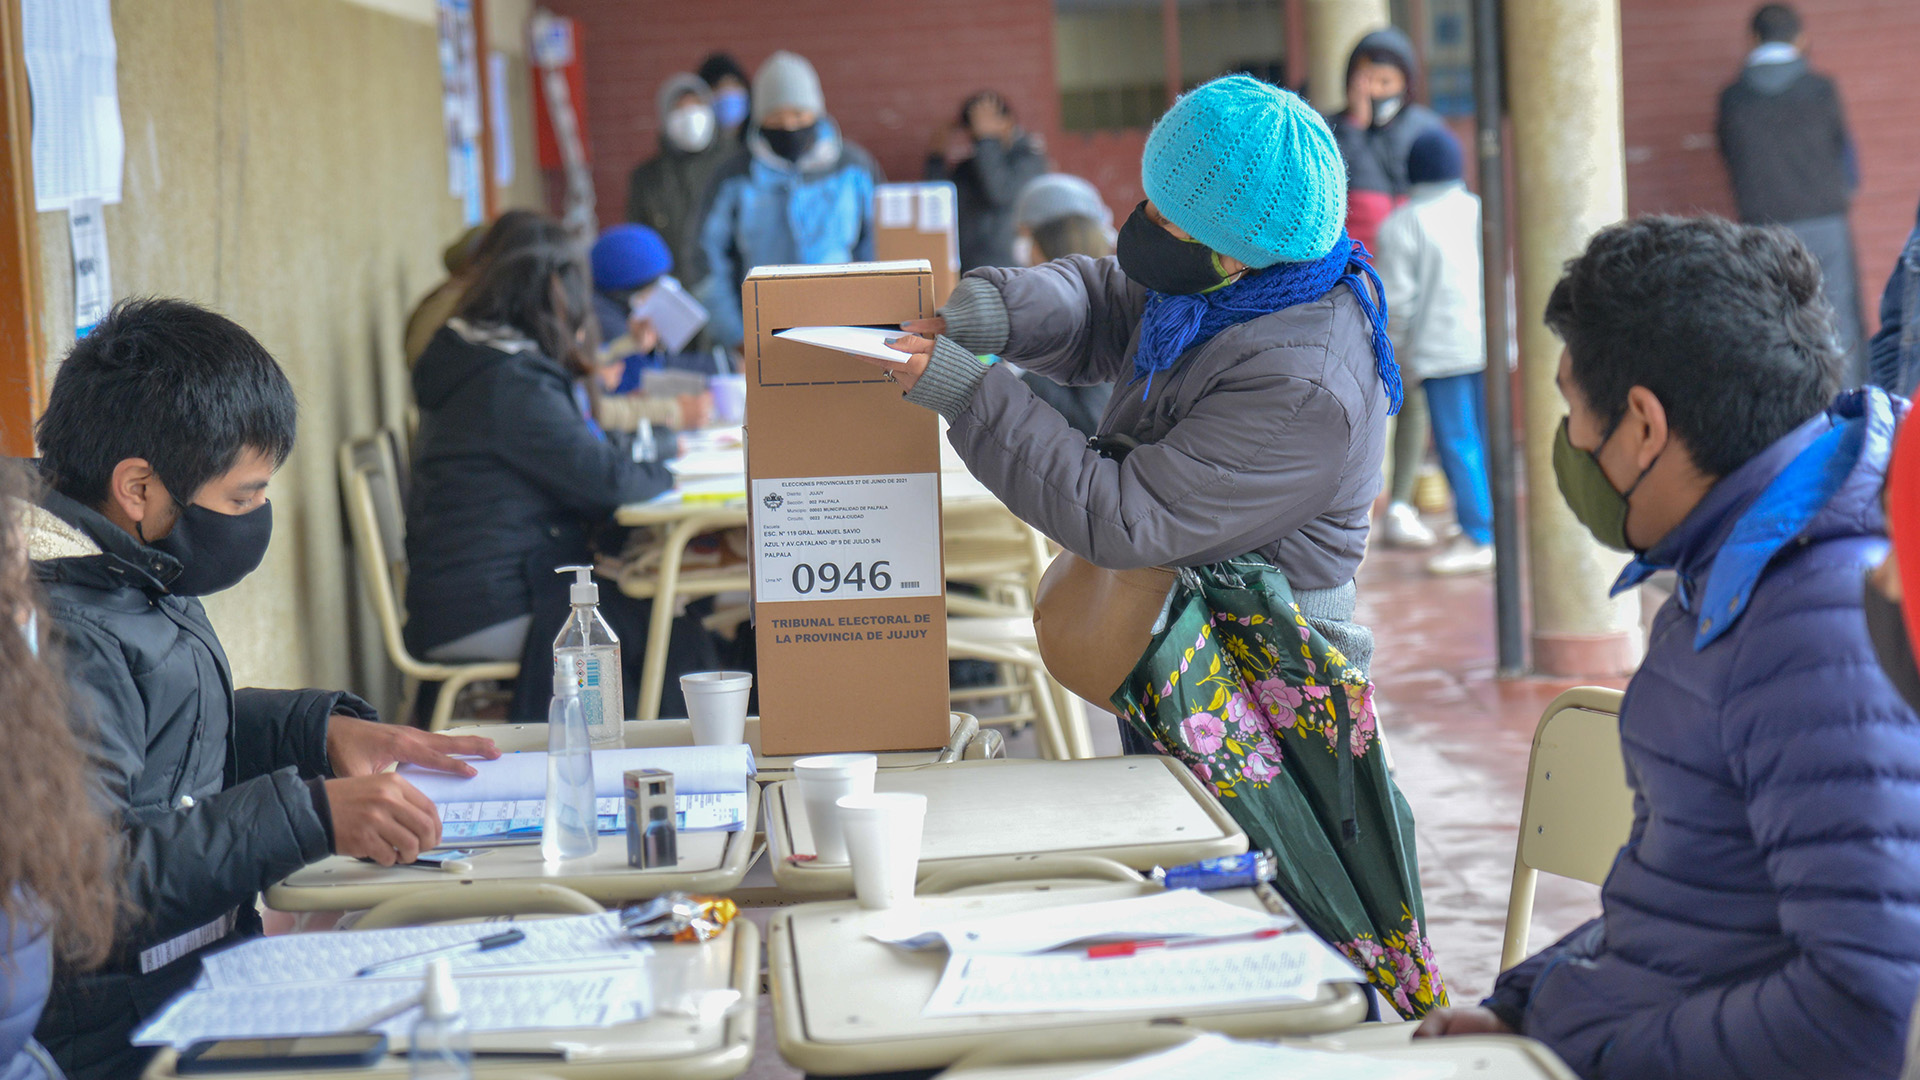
(857, 340)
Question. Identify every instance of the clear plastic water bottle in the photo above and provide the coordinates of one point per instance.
(588, 642)
(440, 1047)
(571, 827)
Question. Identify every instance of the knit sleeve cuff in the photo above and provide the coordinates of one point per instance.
(977, 316)
(948, 384)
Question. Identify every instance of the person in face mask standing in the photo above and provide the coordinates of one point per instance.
(1760, 920)
(731, 102)
(798, 193)
(161, 434)
(665, 192)
(1376, 132)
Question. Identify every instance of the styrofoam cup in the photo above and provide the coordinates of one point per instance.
(883, 837)
(824, 779)
(717, 706)
(729, 398)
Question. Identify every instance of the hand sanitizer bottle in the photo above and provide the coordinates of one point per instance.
(571, 827)
(439, 1046)
(594, 648)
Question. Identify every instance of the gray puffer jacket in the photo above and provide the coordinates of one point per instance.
(1266, 438)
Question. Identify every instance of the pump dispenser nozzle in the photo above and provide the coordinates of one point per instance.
(584, 590)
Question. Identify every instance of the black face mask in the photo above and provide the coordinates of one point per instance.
(1887, 626)
(792, 144)
(216, 550)
(1162, 261)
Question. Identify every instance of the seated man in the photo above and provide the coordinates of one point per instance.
(1763, 919)
(163, 429)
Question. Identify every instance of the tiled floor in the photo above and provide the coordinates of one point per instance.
(1460, 742)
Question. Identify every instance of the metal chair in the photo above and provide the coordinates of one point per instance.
(1578, 809)
(369, 482)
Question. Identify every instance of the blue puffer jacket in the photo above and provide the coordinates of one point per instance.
(768, 211)
(26, 974)
(1763, 919)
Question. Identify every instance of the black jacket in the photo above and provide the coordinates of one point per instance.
(211, 785)
(506, 473)
(667, 192)
(988, 185)
(1786, 145)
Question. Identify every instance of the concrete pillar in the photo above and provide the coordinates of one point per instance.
(1333, 27)
(1563, 88)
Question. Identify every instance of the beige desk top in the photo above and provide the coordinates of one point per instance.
(716, 1046)
(710, 862)
(1139, 811)
(970, 741)
(1479, 1057)
(845, 1004)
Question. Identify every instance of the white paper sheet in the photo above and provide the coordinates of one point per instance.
(854, 340)
(285, 958)
(936, 208)
(895, 210)
(1290, 967)
(845, 538)
(709, 463)
(92, 273)
(580, 999)
(1214, 1057)
(676, 316)
(79, 147)
(1175, 913)
(695, 769)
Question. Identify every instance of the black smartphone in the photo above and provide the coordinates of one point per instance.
(358, 1048)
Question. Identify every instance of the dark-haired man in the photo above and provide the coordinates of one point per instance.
(1791, 161)
(161, 435)
(1763, 919)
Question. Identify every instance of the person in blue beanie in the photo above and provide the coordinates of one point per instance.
(1763, 918)
(1429, 256)
(625, 260)
(1242, 330)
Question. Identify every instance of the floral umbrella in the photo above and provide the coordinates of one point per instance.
(1244, 692)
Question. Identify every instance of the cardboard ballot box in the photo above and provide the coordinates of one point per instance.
(844, 491)
(919, 221)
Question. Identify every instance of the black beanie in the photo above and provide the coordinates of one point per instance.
(718, 66)
(1434, 157)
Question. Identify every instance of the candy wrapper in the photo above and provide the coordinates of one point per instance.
(679, 917)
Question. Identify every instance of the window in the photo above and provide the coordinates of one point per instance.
(1112, 57)
(1110, 61)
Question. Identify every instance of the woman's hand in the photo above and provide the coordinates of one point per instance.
(908, 373)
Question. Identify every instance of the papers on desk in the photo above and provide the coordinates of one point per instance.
(1175, 913)
(568, 973)
(1214, 1057)
(504, 802)
(1289, 967)
(854, 340)
(704, 464)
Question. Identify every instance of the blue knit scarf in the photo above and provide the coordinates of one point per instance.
(1174, 324)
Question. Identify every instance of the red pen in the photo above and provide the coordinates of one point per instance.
(1131, 948)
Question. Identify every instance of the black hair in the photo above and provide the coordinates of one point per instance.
(719, 65)
(978, 96)
(169, 381)
(1776, 22)
(514, 230)
(1726, 324)
(544, 291)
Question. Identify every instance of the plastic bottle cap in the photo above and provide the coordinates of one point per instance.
(565, 682)
(442, 998)
(583, 590)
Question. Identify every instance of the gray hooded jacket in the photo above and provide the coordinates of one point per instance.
(1267, 437)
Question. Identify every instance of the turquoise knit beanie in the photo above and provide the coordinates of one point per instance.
(1249, 170)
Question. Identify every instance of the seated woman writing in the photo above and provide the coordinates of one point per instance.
(512, 477)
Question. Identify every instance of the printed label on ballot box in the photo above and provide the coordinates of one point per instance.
(846, 537)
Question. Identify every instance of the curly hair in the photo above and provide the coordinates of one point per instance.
(1726, 324)
(58, 854)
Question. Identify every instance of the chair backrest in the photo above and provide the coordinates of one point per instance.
(1578, 809)
(368, 483)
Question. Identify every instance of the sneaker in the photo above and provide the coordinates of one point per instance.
(1405, 529)
(1464, 557)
